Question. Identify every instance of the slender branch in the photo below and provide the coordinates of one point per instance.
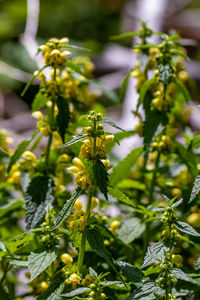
(153, 182)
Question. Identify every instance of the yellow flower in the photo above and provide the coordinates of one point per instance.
(66, 259)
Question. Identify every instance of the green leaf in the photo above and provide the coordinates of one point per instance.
(144, 89)
(75, 139)
(131, 273)
(194, 143)
(76, 292)
(165, 73)
(111, 123)
(179, 274)
(18, 263)
(123, 167)
(155, 253)
(67, 208)
(32, 79)
(145, 292)
(101, 177)
(197, 264)
(131, 184)
(39, 101)
(131, 230)
(54, 290)
(180, 53)
(13, 204)
(39, 260)
(21, 148)
(186, 228)
(143, 61)
(76, 48)
(15, 245)
(24, 180)
(115, 193)
(18, 152)
(187, 158)
(123, 87)
(123, 35)
(39, 197)
(63, 116)
(96, 242)
(195, 188)
(93, 273)
(183, 90)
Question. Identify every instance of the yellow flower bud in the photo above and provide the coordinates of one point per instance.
(38, 115)
(73, 170)
(94, 203)
(55, 52)
(78, 163)
(64, 41)
(29, 155)
(65, 53)
(43, 287)
(43, 48)
(66, 259)
(109, 138)
(115, 225)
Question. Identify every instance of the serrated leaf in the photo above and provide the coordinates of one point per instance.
(123, 87)
(155, 253)
(18, 263)
(54, 290)
(113, 283)
(39, 197)
(183, 90)
(67, 208)
(195, 188)
(165, 73)
(39, 101)
(39, 260)
(111, 123)
(63, 116)
(143, 91)
(143, 61)
(12, 204)
(131, 273)
(96, 242)
(186, 228)
(179, 274)
(131, 230)
(75, 139)
(114, 192)
(101, 177)
(145, 292)
(177, 203)
(24, 180)
(21, 148)
(123, 167)
(76, 292)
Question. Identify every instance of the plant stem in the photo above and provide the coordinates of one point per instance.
(153, 182)
(84, 234)
(51, 132)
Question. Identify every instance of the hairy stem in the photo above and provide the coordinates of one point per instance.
(84, 235)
